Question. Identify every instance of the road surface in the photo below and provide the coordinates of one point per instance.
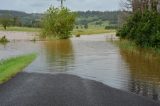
(33, 89)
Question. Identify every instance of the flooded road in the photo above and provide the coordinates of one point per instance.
(94, 58)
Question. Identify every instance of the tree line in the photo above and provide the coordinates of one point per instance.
(92, 16)
(143, 24)
(16, 18)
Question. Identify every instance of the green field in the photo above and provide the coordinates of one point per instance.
(91, 30)
(10, 67)
(22, 29)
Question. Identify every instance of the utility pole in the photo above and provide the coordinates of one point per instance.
(61, 2)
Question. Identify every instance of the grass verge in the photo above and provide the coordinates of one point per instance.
(131, 47)
(10, 67)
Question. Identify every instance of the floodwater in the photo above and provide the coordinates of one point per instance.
(94, 58)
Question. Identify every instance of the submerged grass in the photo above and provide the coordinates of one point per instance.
(10, 67)
(131, 47)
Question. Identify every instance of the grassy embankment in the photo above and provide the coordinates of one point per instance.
(131, 47)
(10, 67)
(89, 31)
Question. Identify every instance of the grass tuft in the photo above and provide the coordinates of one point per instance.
(131, 47)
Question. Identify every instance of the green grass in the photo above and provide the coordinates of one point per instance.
(3, 40)
(21, 29)
(131, 47)
(89, 31)
(10, 67)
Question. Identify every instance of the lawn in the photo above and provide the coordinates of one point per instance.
(10, 67)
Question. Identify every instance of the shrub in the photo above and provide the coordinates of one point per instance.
(143, 29)
(58, 22)
(5, 21)
(78, 35)
(3, 39)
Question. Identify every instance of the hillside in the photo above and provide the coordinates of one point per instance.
(95, 18)
(22, 18)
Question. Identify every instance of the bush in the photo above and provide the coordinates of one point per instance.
(5, 22)
(86, 26)
(3, 39)
(143, 29)
(58, 23)
(78, 35)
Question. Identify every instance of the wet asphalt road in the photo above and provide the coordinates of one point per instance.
(32, 89)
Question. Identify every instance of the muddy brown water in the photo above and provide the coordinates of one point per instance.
(94, 58)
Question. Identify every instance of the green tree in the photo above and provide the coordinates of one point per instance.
(142, 28)
(86, 26)
(58, 22)
(5, 22)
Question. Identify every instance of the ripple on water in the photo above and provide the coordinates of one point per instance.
(93, 58)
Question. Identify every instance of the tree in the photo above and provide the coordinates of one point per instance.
(86, 26)
(58, 22)
(5, 22)
(132, 6)
(141, 5)
(126, 5)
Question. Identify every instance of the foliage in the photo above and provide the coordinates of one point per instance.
(33, 20)
(97, 17)
(86, 26)
(78, 35)
(131, 47)
(58, 22)
(3, 39)
(21, 18)
(143, 29)
(10, 67)
(5, 22)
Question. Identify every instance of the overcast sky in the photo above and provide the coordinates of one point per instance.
(33, 6)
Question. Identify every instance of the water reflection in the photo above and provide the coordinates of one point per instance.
(145, 75)
(59, 54)
(93, 58)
